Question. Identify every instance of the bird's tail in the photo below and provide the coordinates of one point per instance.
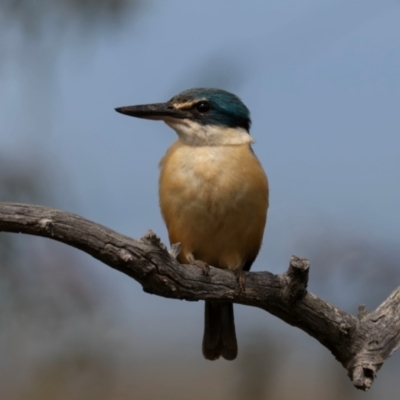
(219, 332)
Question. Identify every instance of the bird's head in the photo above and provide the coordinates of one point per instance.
(200, 117)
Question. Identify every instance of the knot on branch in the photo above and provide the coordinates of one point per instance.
(126, 256)
(362, 311)
(363, 375)
(47, 225)
(296, 279)
(346, 329)
(152, 239)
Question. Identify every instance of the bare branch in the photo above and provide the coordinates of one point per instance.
(360, 344)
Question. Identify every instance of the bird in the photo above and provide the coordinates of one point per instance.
(213, 194)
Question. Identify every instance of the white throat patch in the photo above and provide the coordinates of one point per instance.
(195, 134)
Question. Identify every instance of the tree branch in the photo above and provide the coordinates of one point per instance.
(361, 344)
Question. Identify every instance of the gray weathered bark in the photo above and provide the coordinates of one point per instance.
(361, 344)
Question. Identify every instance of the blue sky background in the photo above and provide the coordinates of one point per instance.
(322, 82)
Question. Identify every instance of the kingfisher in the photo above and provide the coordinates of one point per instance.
(213, 194)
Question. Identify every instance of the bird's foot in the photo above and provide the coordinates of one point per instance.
(241, 280)
(201, 264)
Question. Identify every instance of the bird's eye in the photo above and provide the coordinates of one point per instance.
(203, 107)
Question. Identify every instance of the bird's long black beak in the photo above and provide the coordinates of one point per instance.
(159, 111)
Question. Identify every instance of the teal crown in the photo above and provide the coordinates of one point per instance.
(215, 107)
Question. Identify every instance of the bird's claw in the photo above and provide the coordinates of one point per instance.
(241, 280)
(201, 264)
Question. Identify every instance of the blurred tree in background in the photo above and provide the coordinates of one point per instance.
(52, 344)
(44, 23)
